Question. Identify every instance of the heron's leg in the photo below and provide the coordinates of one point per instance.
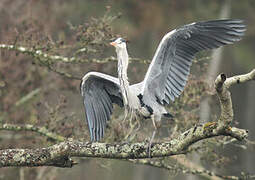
(156, 125)
(126, 113)
(138, 122)
(150, 143)
(134, 125)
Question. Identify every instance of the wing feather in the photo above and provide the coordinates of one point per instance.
(168, 73)
(99, 92)
(89, 113)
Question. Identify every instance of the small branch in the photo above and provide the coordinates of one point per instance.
(27, 97)
(186, 167)
(240, 78)
(202, 172)
(20, 102)
(46, 58)
(28, 127)
(39, 54)
(65, 74)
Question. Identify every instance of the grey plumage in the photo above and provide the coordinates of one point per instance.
(100, 91)
(171, 64)
(165, 79)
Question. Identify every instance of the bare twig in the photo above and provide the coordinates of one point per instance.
(20, 102)
(44, 57)
(48, 59)
(27, 97)
(28, 127)
(196, 171)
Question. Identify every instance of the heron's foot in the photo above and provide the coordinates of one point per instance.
(210, 125)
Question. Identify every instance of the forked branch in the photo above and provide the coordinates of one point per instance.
(59, 154)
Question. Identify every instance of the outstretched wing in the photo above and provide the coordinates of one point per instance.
(170, 67)
(99, 92)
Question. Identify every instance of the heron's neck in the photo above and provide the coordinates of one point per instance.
(122, 56)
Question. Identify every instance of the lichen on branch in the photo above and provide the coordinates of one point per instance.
(47, 58)
(59, 154)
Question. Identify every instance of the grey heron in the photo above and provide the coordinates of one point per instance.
(165, 79)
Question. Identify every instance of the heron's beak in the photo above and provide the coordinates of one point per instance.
(113, 43)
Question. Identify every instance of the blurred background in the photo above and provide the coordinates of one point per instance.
(62, 27)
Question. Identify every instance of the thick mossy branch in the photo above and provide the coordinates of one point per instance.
(58, 155)
(224, 96)
(222, 84)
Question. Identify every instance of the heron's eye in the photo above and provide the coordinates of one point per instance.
(122, 40)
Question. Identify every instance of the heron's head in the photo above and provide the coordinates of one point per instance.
(119, 43)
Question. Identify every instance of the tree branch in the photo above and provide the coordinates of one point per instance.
(240, 78)
(199, 171)
(28, 127)
(45, 132)
(222, 84)
(48, 59)
(44, 57)
(196, 171)
(59, 154)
